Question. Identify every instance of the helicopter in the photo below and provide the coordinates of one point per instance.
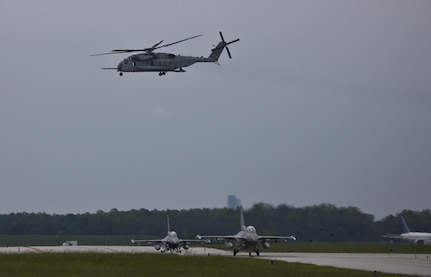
(150, 61)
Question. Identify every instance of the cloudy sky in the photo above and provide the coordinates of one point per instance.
(322, 102)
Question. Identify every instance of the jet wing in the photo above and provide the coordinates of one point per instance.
(149, 241)
(158, 241)
(231, 237)
(277, 238)
(392, 236)
(192, 241)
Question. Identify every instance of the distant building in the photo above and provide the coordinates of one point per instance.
(233, 202)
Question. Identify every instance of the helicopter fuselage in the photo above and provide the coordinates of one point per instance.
(150, 61)
(158, 62)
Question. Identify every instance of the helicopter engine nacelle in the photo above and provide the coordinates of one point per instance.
(157, 247)
(228, 244)
(266, 244)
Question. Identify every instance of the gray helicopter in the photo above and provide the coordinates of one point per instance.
(150, 61)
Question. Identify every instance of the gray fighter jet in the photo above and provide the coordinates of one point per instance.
(170, 243)
(246, 239)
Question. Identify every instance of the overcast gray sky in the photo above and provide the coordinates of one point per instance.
(322, 102)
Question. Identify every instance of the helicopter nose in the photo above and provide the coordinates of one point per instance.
(120, 66)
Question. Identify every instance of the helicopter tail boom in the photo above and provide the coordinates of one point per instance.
(216, 52)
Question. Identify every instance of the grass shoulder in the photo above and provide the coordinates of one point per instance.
(120, 264)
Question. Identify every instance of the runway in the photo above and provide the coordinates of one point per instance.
(412, 264)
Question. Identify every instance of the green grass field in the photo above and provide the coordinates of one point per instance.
(106, 265)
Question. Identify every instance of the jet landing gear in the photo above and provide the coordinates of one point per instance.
(239, 245)
(121, 73)
(161, 73)
(255, 250)
(235, 251)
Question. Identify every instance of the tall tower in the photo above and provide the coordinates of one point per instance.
(233, 202)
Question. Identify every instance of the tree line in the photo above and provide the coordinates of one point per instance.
(320, 223)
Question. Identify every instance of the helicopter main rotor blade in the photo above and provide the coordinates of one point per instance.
(109, 53)
(119, 51)
(155, 45)
(149, 49)
(169, 44)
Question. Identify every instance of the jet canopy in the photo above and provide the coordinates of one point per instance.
(251, 229)
(172, 234)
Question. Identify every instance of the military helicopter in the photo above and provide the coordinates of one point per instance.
(150, 61)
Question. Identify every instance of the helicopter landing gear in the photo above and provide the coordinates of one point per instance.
(121, 73)
(161, 73)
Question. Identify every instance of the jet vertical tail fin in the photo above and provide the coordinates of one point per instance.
(241, 219)
(404, 227)
(169, 227)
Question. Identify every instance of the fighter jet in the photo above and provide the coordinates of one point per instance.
(171, 242)
(246, 239)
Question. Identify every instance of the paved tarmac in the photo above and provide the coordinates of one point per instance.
(412, 264)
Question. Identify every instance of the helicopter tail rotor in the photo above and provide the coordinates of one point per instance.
(216, 51)
(225, 44)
